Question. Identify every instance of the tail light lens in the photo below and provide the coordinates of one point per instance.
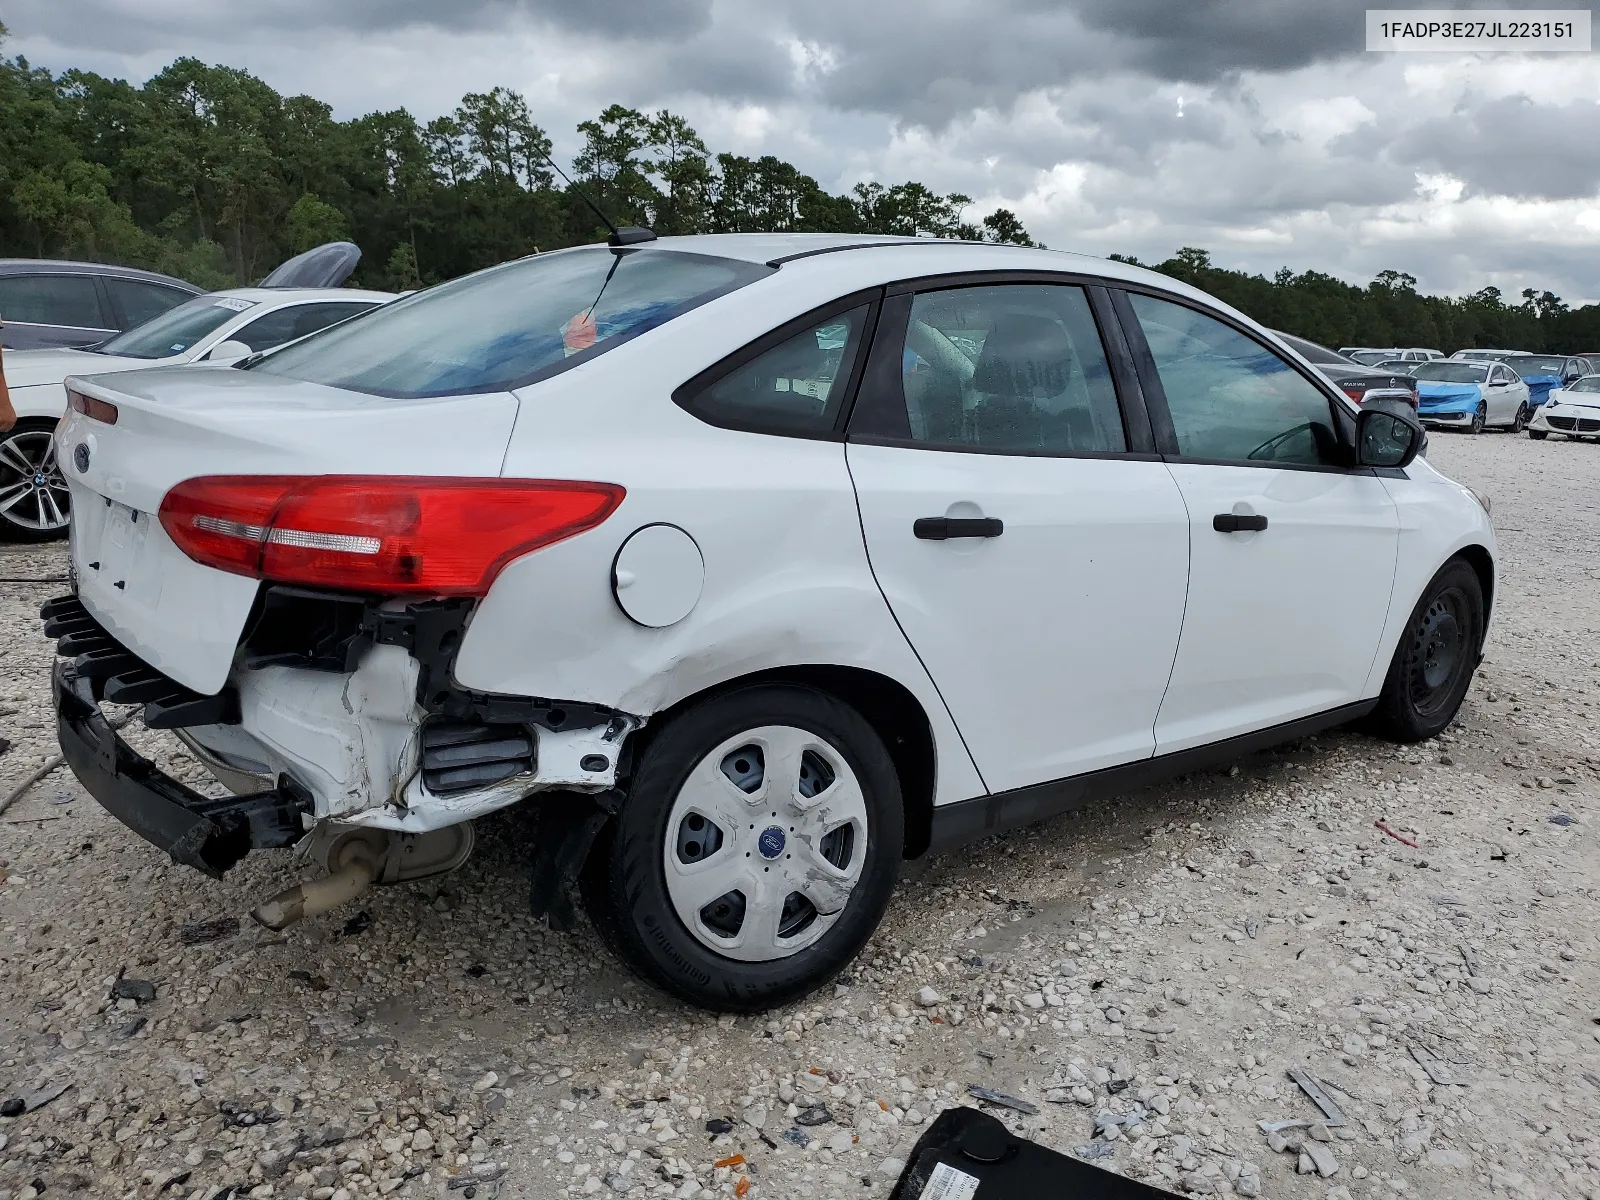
(100, 410)
(446, 537)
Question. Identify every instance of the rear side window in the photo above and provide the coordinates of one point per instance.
(1008, 368)
(794, 387)
(141, 301)
(512, 325)
(1231, 398)
(67, 300)
(296, 321)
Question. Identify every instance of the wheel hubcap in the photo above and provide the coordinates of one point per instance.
(1438, 652)
(33, 494)
(765, 843)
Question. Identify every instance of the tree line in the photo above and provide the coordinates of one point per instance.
(208, 173)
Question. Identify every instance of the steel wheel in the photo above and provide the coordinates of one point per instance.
(1478, 418)
(34, 502)
(765, 842)
(1437, 655)
(1433, 663)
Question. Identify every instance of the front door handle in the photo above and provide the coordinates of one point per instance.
(941, 529)
(1238, 523)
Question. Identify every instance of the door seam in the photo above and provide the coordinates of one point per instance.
(866, 550)
(1183, 619)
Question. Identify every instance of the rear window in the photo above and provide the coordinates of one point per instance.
(511, 325)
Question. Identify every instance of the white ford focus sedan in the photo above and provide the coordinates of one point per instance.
(759, 564)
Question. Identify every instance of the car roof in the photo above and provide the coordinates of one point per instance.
(282, 296)
(866, 260)
(34, 266)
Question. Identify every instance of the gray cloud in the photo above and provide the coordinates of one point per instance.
(1511, 147)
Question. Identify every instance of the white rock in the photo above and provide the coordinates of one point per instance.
(927, 997)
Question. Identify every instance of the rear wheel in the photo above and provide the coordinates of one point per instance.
(34, 504)
(756, 851)
(1520, 421)
(1479, 417)
(1538, 435)
(1433, 664)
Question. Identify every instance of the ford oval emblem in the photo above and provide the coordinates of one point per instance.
(771, 842)
(80, 457)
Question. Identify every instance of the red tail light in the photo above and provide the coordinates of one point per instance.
(447, 537)
(100, 410)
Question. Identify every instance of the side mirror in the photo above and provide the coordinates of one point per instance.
(228, 351)
(1387, 434)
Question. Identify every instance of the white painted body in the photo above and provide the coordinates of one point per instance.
(1110, 623)
(1569, 411)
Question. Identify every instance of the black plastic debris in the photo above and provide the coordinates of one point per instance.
(796, 1137)
(817, 1114)
(13, 1107)
(357, 924)
(970, 1154)
(140, 991)
(719, 1125)
(1562, 819)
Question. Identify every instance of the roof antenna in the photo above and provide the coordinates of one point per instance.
(628, 235)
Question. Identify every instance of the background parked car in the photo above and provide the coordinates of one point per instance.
(1471, 395)
(1371, 356)
(1484, 355)
(1542, 372)
(46, 303)
(1573, 410)
(218, 328)
(1350, 377)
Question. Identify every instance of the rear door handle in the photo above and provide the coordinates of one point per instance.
(1238, 523)
(941, 529)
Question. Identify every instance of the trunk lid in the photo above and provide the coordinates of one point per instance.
(173, 424)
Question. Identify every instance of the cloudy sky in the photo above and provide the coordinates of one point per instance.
(1259, 129)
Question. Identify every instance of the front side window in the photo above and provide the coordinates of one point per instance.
(177, 329)
(1009, 368)
(797, 386)
(1230, 397)
(296, 321)
(66, 300)
(513, 324)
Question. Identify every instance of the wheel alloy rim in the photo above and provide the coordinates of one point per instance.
(1437, 656)
(1479, 417)
(33, 495)
(765, 843)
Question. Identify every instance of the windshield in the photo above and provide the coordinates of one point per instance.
(1530, 367)
(512, 324)
(1369, 357)
(1589, 383)
(1450, 372)
(177, 329)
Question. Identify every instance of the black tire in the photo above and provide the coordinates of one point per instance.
(30, 510)
(1479, 418)
(624, 884)
(1538, 435)
(1520, 421)
(1433, 664)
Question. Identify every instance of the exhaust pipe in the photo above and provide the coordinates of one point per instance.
(358, 867)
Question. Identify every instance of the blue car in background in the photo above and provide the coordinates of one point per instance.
(1471, 395)
(1541, 372)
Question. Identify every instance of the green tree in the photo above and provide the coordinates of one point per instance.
(313, 221)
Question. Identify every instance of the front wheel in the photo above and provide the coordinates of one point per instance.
(1520, 421)
(756, 851)
(1538, 435)
(34, 504)
(1479, 417)
(1433, 664)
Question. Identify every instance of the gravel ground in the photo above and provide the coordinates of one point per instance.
(1150, 970)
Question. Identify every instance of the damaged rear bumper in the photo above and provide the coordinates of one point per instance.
(208, 834)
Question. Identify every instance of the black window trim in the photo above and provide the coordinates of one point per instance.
(687, 393)
(1156, 394)
(102, 299)
(884, 361)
